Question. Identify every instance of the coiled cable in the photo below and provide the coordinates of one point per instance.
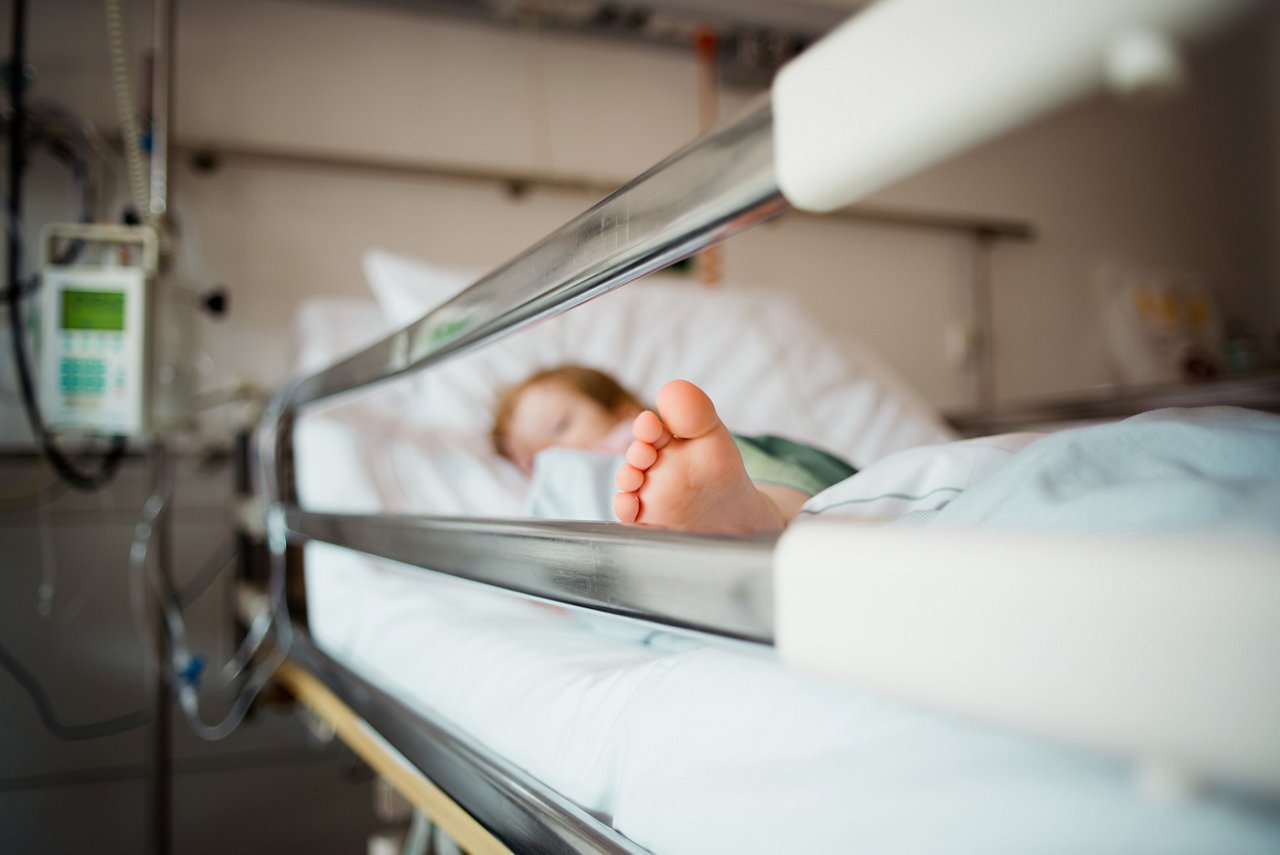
(139, 190)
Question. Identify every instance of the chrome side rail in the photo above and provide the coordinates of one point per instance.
(1259, 392)
(525, 814)
(722, 585)
(720, 184)
(717, 186)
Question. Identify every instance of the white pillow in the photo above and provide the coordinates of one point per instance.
(406, 288)
(329, 328)
(767, 367)
(358, 454)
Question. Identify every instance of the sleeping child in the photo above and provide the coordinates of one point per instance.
(684, 468)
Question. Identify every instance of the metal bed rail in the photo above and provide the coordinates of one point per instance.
(721, 184)
(626, 571)
(810, 138)
(1259, 392)
(717, 186)
(522, 813)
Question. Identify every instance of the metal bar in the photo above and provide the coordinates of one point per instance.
(206, 154)
(982, 307)
(159, 757)
(722, 585)
(993, 229)
(519, 810)
(1258, 393)
(719, 185)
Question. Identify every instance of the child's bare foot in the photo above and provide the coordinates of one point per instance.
(684, 471)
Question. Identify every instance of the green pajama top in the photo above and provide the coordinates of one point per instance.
(774, 460)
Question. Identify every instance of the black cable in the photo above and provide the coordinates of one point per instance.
(110, 462)
(17, 128)
(71, 732)
(64, 468)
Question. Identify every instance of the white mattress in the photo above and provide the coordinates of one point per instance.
(686, 747)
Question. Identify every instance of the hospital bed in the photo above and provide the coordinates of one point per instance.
(591, 712)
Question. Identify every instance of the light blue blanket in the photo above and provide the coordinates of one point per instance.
(1167, 470)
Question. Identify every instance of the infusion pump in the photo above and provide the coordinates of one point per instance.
(96, 328)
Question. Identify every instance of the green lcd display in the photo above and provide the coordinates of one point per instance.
(92, 310)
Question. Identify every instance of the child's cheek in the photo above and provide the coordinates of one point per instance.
(617, 440)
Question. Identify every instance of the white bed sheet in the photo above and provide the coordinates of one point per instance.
(693, 748)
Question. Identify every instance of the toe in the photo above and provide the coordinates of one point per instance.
(626, 507)
(629, 479)
(686, 410)
(649, 428)
(641, 455)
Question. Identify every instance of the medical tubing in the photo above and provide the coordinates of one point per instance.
(257, 633)
(276, 615)
(110, 461)
(183, 665)
(48, 566)
(97, 571)
(189, 702)
(139, 552)
(208, 573)
(171, 607)
(187, 668)
(244, 654)
(49, 718)
(174, 623)
(188, 699)
(142, 620)
(45, 495)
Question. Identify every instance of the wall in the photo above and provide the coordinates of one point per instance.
(1185, 184)
(1174, 185)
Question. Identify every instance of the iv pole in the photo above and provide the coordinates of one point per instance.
(159, 763)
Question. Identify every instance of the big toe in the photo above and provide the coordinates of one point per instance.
(686, 410)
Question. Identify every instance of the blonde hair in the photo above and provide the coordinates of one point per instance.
(596, 385)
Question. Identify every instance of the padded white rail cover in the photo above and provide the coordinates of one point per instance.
(1163, 650)
(906, 83)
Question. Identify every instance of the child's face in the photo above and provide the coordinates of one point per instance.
(553, 413)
